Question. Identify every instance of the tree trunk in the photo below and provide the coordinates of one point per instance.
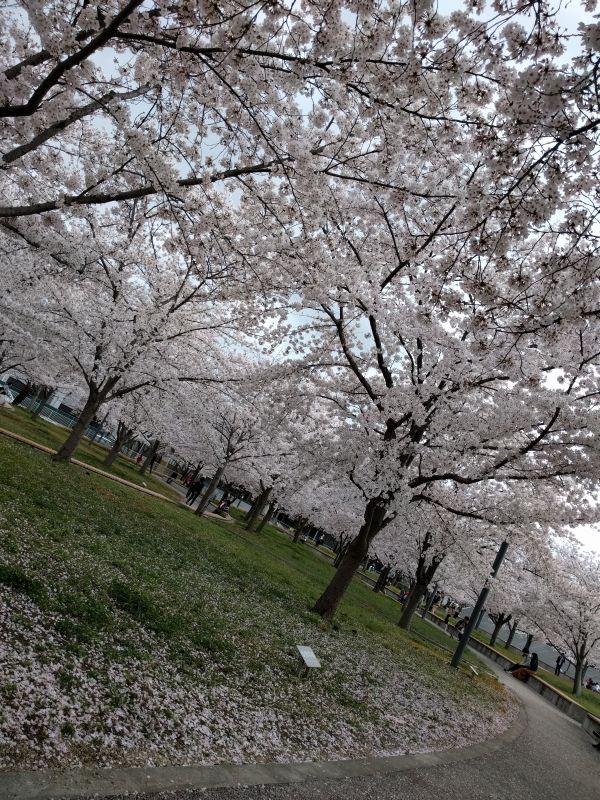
(417, 593)
(196, 472)
(45, 396)
(206, 497)
(358, 548)
(511, 633)
(299, 530)
(34, 402)
(382, 580)
(422, 578)
(93, 403)
(479, 620)
(578, 679)
(341, 552)
(124, 435)
(113, 453)
(581, 666)
(267, 517)
(151, 453)
(22, 394)
(257, 508)
(498, 625)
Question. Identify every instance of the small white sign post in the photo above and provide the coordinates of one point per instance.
(307, 661)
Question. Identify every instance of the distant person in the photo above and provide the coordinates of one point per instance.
(139, 459)
(524, 673)
(193, 492)
(223, 507)
(172, 476)
(559, 664)
(461, 625)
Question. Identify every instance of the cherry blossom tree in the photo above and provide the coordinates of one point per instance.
(128, 99)
(134, 306)
(430, 308)
(566, 607)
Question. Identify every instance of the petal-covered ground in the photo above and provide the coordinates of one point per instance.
(133, 633)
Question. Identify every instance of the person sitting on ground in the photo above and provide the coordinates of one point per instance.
(223, 507)
(524, 673)
(522, 662)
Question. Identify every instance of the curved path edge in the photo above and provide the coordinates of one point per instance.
(55, 784)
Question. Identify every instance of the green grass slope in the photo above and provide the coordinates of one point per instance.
(135, 632)
(17, 420)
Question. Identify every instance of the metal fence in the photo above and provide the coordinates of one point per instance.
(65, 419)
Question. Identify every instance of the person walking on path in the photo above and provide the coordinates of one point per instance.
(193, 492)
(559, 664)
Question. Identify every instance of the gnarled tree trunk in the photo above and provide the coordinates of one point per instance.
(23, 393)
(206, 497)
(423, 576)
(44, 396)
(511, 633)
(257, 508)
(124, 434)
(149, 456)
(96, 396)
(267, 517)
(382, 579)
(581, 666)
(499, 621)
(412, 603)
(358, 548)
(93, 403)
(301, 527)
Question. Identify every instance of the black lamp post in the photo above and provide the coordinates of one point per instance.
(458, 654)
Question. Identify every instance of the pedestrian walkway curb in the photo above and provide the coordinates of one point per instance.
(55, 784)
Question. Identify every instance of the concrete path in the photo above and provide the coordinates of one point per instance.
(553, 759)
(545, 756)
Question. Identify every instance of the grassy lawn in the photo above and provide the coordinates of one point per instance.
(139, 633)
(19, 421)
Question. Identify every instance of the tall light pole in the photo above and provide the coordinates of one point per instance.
(458, 654)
